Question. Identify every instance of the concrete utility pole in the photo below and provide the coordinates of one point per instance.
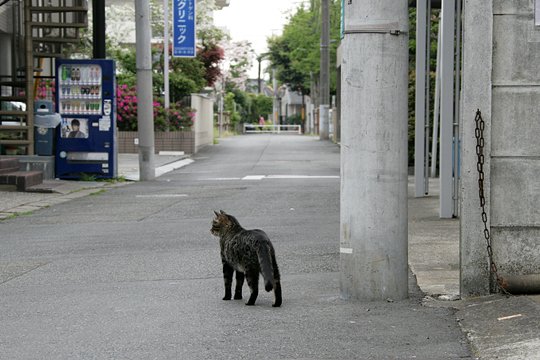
(373, 236)
(324, 121)
(145, 113)
(275, 104)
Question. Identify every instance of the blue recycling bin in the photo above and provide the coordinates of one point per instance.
(45, 123)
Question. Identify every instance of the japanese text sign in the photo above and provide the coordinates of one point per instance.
(184, 42)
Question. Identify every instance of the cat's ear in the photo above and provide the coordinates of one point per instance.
(217, 214)
(222, 212)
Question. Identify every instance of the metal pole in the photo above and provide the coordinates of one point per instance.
(420, 176)
(427, 97)
(259, 59)
(98, 29)
(324, 123)
(220, 120)
(29, 68)
(145, 113)
(166, 101)
(436, 108)
(373, 212)
(456, 109)
(447, 108)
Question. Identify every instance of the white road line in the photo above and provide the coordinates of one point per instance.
(172, 166)
(345, 250)
(134, 176)
(277, 177)
(155, 196)
(223, 179)
(303, 177)
(254, 177)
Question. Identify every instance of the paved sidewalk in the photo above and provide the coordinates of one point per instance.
(128, 166)
(14, 203)
(497, 326)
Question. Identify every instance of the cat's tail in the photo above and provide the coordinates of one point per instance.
(265, 261)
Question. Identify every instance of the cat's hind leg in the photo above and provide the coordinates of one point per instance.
(239, 284)
(277, 294)
(227, 277)
(277, 283)
(252, 278)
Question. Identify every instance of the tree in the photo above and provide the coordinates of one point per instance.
(121, 23)
(296, 53)
(208, 37)
(211, 56)
(259, 105)
(238, 59)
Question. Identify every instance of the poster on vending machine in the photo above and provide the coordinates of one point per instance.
(74, 128)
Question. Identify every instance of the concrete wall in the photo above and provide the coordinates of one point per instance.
(204, 120)
(501, 77)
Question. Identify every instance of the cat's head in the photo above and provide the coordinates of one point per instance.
(222, 223)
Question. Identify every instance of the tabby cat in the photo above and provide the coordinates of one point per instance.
(249, 252)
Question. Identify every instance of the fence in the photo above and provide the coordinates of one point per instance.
(272, 129)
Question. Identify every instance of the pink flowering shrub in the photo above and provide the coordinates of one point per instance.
(177, 118)
(126, 108)
(44, 89)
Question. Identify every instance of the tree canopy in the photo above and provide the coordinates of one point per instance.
(296, 53)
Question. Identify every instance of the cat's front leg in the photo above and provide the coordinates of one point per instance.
(227, 277)
(239, 284)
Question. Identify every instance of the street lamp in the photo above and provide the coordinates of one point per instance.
(259, 59)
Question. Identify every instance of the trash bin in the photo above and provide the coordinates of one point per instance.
(45, 123)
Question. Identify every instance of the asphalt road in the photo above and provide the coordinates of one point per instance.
(134, 273)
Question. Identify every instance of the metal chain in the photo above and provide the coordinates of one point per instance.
(479, 134)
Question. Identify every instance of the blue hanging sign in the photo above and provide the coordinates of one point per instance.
(184, 42)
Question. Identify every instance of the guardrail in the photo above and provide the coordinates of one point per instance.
(272, 129)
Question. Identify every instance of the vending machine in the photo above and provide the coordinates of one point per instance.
(86, 101)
